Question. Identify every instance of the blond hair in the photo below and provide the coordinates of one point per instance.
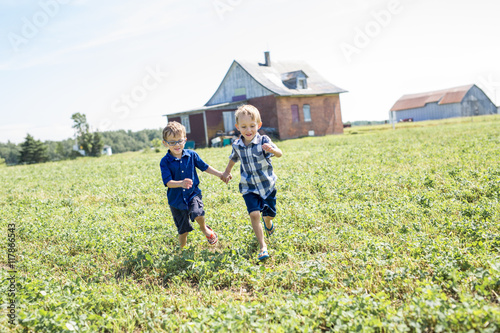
(173, 129)
(248, 110)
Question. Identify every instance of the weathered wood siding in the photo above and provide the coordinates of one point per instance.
(476, 103)
(429, 112)
(237, 78)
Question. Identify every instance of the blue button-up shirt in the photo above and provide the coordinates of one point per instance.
(257, 175)
(173, 168)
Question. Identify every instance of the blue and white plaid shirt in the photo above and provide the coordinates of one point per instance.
(257, 175)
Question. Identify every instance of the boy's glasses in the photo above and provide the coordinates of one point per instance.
(173, 143)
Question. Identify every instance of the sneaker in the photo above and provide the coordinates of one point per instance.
(212, 239)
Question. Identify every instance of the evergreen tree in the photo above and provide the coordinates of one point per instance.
(33, 151)
(97, 144)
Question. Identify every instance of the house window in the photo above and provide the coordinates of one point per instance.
(301, 83)
(229, 121)
(306, 109)
(240, 94)
(295, 113)
(185, 122)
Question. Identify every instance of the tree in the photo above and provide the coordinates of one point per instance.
(10, 152)
(91, 143)
(61, 150)
(97, 144)
(156, 143)
(80, 123)
(33, 151)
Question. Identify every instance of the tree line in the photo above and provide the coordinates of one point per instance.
(90, 142)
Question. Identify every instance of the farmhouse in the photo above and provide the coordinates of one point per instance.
(463, 101)
(294, 101)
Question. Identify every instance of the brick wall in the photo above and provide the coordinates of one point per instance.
(326, 116)
(267, 109)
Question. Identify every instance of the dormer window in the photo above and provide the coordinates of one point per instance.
(294, 80)
(301, 83)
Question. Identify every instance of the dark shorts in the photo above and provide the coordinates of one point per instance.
(255, 202)
(182, 217)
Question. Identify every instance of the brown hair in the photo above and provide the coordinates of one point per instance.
(248, 110)
(174, 128)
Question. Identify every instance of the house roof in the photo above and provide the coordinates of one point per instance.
(229, 106)
(445, 96)
(270, 77)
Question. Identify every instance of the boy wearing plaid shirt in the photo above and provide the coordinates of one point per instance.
(258, 179)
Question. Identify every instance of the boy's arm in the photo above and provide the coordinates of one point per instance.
(226, 176)
(186, 183)
(274, 150)
(214, 172)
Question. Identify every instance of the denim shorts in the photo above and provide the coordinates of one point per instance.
(182, 217)
(255, 202)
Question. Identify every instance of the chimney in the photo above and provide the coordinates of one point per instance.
(267, 55)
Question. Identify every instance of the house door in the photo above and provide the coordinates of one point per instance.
(229, 121)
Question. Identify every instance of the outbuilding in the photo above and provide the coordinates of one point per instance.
(463, 101)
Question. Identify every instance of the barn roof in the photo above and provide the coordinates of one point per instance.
(271, 77)
(229, 106)
(445, 96)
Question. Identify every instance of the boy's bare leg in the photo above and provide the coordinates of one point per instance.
(203, 226)
(183, 239)
(257, 229)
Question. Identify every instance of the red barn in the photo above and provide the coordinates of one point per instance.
(293, 99)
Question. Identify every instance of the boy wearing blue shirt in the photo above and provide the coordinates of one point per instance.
(178, 171)
(258, 179)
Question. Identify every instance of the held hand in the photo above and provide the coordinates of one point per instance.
(226, 177)
(187, 183)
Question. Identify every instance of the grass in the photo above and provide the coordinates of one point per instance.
(380, 231)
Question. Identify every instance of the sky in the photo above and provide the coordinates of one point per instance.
(125, 63)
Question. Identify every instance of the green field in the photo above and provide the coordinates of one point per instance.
(377, 230)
